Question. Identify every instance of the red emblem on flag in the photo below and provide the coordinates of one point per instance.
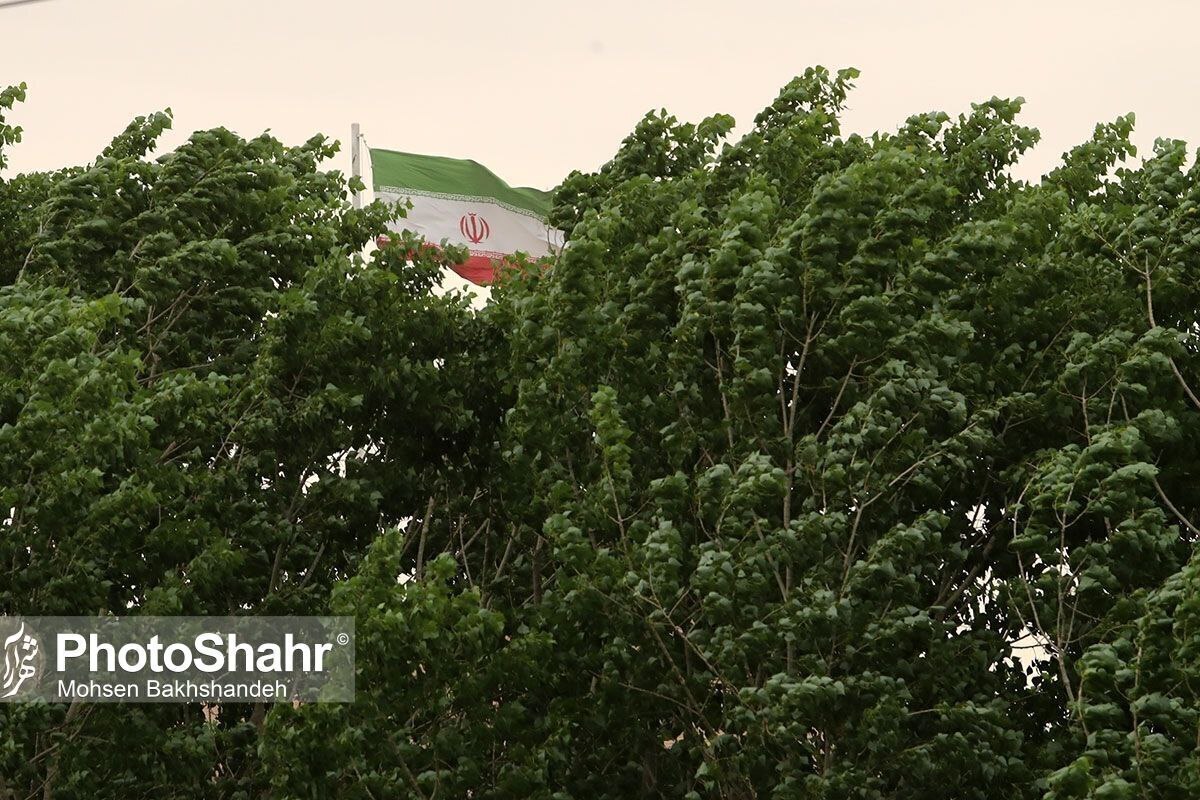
(474, 228)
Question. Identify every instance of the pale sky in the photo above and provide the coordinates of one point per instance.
(536, 88)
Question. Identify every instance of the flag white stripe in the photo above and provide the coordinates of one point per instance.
(440, 218)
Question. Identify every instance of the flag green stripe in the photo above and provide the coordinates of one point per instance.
(451, 176)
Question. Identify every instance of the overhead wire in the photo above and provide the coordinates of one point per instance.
(11, 3)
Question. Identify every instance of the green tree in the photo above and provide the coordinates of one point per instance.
(816, 466)
(210, 403)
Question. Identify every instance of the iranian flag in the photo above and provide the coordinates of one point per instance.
(464, 203)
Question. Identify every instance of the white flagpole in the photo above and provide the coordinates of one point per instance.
(355, 160)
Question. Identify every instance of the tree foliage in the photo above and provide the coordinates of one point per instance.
(816, 466)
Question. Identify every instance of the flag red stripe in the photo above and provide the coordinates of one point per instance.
(479, 270)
